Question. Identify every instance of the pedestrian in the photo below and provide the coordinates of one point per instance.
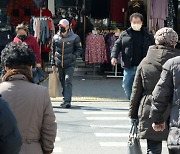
(66, 48)
(146, 78)
(29, 102)
(22, 35)
(133, 43)
(10, 138)
(167, 94)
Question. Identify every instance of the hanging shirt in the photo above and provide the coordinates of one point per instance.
(95, 49)
(20, 11)
(118, 9)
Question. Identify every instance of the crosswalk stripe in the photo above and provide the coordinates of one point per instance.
(124, 144)
(58, 139)
(105, 113)
(57, 150)
(114, 126)
(112, 134)
(107, 118)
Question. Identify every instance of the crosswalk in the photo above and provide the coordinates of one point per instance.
(111, 128)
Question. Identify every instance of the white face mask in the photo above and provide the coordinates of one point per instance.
(136, 27)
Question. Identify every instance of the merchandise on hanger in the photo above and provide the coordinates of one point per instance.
(100, 9)
(171, 14)
(158, 13)
(118, 9)
(95, 49)
(137, 6)
(20, 11)
(43, 12)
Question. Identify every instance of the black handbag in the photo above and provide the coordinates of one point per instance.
(134, 146)
(39, 75)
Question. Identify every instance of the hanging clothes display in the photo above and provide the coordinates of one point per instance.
(95, 49)
(158, 13)
(118, 9)
(100, 9)
(137, 7)
(44, 12)
(20, 11)
(171, 13)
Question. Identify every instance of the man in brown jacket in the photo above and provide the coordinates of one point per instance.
(29, 102)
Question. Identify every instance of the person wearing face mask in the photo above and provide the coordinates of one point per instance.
(133, 43)
(22, 35)
(146, 78)
(66, 47)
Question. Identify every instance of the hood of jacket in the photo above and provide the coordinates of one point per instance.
(157, 55)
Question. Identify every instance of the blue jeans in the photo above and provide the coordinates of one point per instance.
(128, 80)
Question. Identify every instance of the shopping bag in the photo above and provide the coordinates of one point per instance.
(39, 75)
(134, 146)
(53, 84)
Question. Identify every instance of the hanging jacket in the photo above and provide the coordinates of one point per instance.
(66, 49)
(146, 78)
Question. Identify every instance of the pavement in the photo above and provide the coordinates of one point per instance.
(98, 121)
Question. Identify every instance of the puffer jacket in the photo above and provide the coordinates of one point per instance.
(66, 50)
(125, 45)
(166, 92)
(146, 78)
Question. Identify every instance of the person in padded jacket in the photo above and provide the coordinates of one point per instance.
(146, 78)
(66, 48)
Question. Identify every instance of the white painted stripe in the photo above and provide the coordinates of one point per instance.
(58, 139)
(108, 118)
(112, 135)
(115, 126)
(124, 144)
(57, 150)
(105, 113)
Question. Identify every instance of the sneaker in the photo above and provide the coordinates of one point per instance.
(66, 105)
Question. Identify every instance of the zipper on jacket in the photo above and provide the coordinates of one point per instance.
(62, 62)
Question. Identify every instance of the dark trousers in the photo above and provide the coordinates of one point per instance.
(174, 151)
(66, 77)
(154, 147)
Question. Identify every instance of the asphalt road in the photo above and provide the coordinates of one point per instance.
(94, 128)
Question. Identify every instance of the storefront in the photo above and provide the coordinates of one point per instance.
(105, 17)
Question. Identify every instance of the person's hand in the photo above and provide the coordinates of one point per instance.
(54, 68)
(114, 61)
(159, 128)
(38, 65)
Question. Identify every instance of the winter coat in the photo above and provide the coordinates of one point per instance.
(146, 78)
(167, 92)
(10, 138)
(31, 41)
(33, 110)
(125, 45)
(66, 50)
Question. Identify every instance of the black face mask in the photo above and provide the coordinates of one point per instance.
(62, 29)
(22, 37)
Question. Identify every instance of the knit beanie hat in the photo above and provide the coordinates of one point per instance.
(166, 36)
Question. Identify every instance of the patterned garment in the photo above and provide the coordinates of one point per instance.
(170, 18)
(95, 49)
(20, 11)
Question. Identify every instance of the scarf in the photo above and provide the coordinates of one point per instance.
(24, 70)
